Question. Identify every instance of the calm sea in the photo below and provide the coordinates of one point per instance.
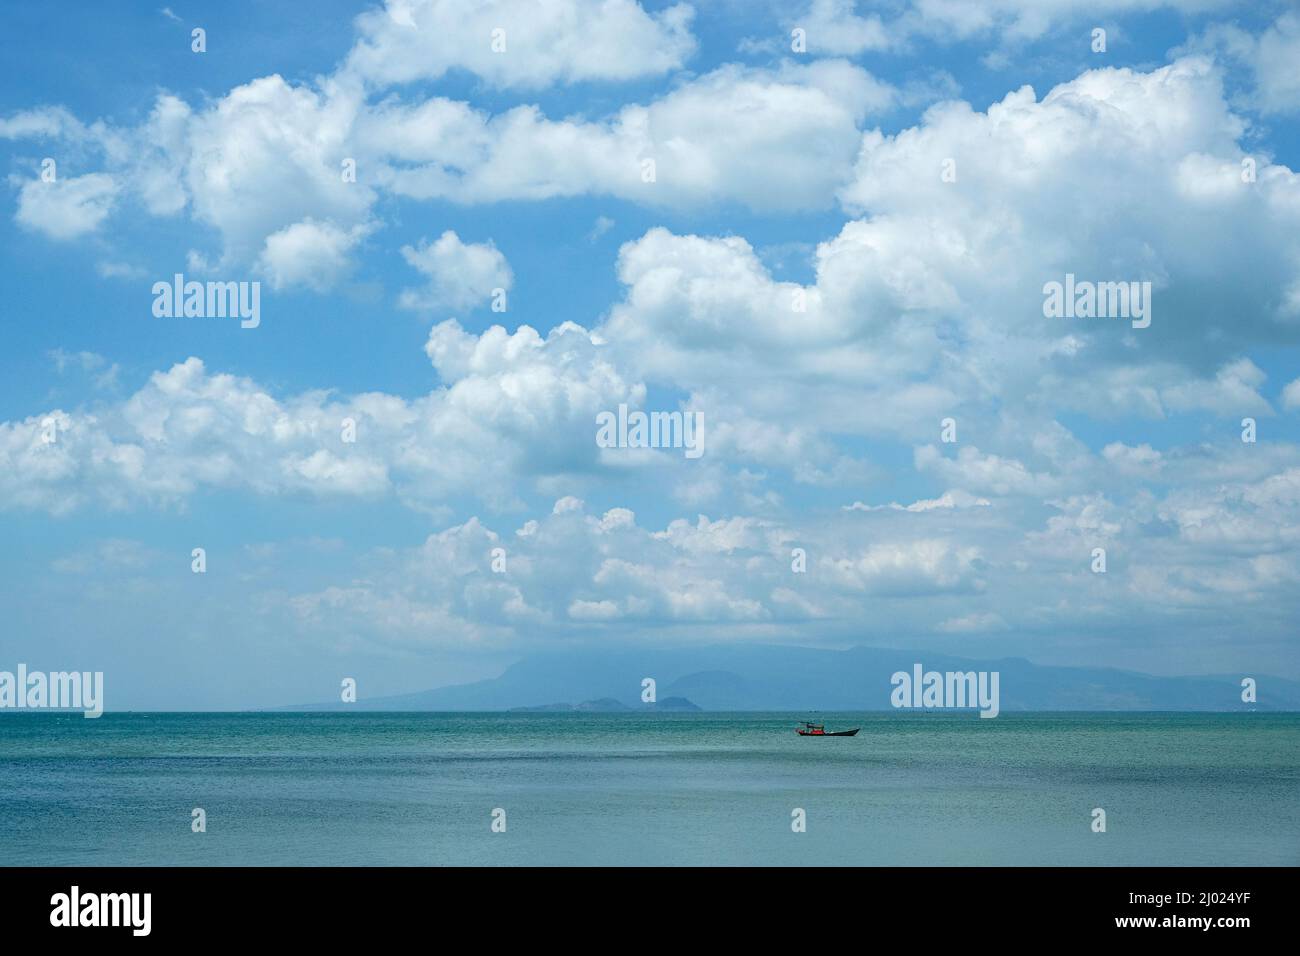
(649, 789)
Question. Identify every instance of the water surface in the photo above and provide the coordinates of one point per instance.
(635, 789)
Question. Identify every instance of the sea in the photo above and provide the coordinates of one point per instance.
(699, 789)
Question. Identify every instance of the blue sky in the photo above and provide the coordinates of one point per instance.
(777, 172)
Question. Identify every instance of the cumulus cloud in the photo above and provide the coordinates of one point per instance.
(460, 275)
(705, 313)
(516, 405)
(933, 300)
(510, 405)
(185, 429)
(576, 574)
(66, 208)
(913, 568)
(267, 155)
(261, 165)
(834, 28)
(574, 568)
(987, 473)
(1269, 57)
(1231, 524)
(572, 571)
(1004, 228)
(276, 167)
(564, 41)
(928, 303)
(309, 253)
(783, 138)
(1291, 395)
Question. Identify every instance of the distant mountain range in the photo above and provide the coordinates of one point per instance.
(608, 705)
(730, 677)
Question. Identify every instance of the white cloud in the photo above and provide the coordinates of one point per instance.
(461, 275)
(1275, 65)
(1234, 390)
(157, 155)
(1142, 460)
(928, 304)
(266, 161)
(511, 406)
(1270, 57)
(268, 155)
(724, 536)
(46, 122)
(933, 300)
(309, 253)
(252, 164)
(949, 499)
(908, 568)
(772, 139)
(66, 208)
(833, 28)
(983, 472)
(561, 41)
(103, 373)
(916, 575)
(706, 315)
(1291, 395)
(1005, 227)
(1231, 527)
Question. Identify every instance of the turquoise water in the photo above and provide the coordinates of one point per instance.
(362, 789)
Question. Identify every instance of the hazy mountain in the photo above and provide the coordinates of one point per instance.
(732, 677)
(608, 705)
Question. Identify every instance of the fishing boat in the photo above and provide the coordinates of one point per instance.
(819, 730)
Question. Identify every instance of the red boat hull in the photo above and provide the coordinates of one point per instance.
(823, 733)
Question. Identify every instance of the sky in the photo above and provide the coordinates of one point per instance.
(824, 229)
